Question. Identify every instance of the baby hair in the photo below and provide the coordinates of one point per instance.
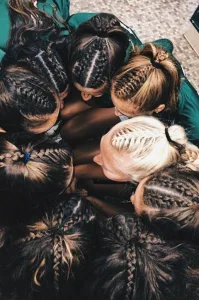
(148, 79)
(151, 146)
(98, 50)
(46, 259)
(27, 103)
(133, 262)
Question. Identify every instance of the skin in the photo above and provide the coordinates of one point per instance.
(111, 160)
(128, 109)
(88, 93)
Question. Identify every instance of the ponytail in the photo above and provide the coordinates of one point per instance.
(148, 79)
(44, 259)
(102, 42)
(152, 147)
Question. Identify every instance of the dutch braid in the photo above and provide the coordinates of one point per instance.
(145, 140)
(98, 49)
(49, 254)
(131, 268)
(148, 79)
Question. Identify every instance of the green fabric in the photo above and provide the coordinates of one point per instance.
(188, 105)
(188, 110)
(60, 6)
(188, 100)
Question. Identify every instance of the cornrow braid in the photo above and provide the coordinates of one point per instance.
(27, 103)
(135, 262)
(131, 82)
(131, 264)
(148, 79)
(98, 49)
(49, 254)
(33, 166)
(170, 201)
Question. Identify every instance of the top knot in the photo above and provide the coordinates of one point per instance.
(160, 56)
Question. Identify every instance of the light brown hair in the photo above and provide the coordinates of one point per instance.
(148, 79)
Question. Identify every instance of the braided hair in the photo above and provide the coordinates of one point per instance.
(151, 147)
(33, 166)
(28, 48)
(98, 49)
(45, 259)
(148, 79)
(27, 103)
(171, 197)
(133, 262)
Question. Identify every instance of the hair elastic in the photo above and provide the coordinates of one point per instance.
(179, 147)
(26, 156)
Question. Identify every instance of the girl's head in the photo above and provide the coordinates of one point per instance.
(98, 50)
(45, 260)
(28, 45)
(138, 147)
(43, 60)
(167, 189)
(135, 263)
(33, 166)
(170, 199)
(147, 83)
(27, 102)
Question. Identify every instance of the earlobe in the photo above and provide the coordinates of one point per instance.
(85, 96)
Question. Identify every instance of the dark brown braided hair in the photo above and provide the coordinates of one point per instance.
(45, 259)
(170, 199)
(134, 262)
(31, 166)
(98, 49)
(28, 48)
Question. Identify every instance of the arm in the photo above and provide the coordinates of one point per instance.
(109, 209)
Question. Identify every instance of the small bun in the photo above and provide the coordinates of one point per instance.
(190, 154)
(178, 134)
(160, 56)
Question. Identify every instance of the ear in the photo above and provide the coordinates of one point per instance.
(85, 96)
(160, 108)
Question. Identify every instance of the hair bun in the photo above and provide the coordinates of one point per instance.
(160, 56)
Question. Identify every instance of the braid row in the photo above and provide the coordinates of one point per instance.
(57, 261)
(30, 87)
(131, 267)
(183, 187)
(127, 85)
(91, 70)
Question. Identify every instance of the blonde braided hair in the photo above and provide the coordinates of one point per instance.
(144, 140)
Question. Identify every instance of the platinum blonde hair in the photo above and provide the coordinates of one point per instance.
(144, 142)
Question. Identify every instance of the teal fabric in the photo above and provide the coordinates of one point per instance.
(59, 9)
(188, 105)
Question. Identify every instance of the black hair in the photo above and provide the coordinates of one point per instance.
(98, 49)
(133, 262)
(28, 48)
(33, 166)
(171, 202)
(46, 259)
